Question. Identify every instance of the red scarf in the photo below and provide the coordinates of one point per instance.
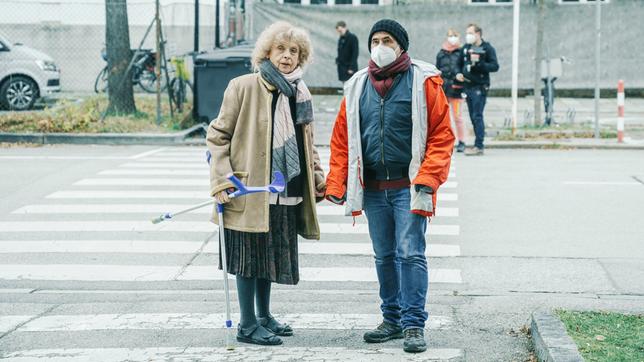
(383, 78)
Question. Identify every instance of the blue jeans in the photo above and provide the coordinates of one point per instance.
(398, 238)
(476, 97)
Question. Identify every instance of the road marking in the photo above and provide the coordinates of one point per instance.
(203, 166)
(156, 172)
(164, 194)
(181, 226)
(345, 274)
(185, 291)
(170, 321)
(64, 157)
(333, 210)
(9, 322)
(602, 183)
(150, 273)
(97, 226)
(190, 247)
(170, 194)
(204, 182)
(238, 354)
(195, 160)
(147, 153)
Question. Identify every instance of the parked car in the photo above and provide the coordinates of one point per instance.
(26, 75)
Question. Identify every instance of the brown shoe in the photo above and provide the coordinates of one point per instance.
(474, 151)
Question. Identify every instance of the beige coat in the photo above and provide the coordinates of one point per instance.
(240, 142)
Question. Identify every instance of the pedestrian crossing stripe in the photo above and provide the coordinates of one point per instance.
(150, 273)
(171, 321)
(322, 210)
(191, 247)
(204, 182)
(156, 181)
(207, 354)
(164, 194)
(181, 226)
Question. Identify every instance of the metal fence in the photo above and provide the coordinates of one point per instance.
(73, 31)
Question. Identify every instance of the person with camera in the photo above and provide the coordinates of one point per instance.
(447, 61)
(478, 60)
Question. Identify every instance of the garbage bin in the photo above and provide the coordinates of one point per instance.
(213, 71)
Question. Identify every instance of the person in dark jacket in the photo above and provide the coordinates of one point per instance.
(478, 60)
(447, 61)
(347, 60)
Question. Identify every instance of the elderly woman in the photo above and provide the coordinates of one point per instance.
(265, 125)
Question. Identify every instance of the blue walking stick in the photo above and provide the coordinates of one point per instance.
(276, 186)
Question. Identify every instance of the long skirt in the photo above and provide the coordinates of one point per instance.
(272, 256)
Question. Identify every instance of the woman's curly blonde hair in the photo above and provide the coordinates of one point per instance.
(281, 32)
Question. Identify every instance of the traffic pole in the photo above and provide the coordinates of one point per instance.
(620, 111)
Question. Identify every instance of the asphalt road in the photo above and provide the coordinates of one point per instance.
(82, 268)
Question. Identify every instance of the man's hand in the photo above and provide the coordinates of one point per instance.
(475, 57)
(460, 77)
(335, 200)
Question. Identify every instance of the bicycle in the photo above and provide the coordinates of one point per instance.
(180, 87)
(143, 72)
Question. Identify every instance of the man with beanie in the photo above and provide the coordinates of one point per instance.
(391, 150)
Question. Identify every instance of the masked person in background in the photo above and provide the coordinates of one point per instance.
(478, 60)
(390, 151)
(448, 62)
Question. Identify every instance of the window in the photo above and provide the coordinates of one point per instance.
(292, 1)
(319, 2)
(490, 2)
(580, 1)
(344, 2)
(369, 2)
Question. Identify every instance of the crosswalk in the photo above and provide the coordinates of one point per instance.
(94, 238)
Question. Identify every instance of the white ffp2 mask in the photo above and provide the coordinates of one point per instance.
(470, 38)
(383, 55)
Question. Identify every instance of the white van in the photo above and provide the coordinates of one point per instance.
(26, 74)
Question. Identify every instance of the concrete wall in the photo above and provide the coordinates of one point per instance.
(569, 32)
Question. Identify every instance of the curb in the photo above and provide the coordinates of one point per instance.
(551, 342)
(177, 138)
(559, 145)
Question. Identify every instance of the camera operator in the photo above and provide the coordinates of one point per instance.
(478, 61)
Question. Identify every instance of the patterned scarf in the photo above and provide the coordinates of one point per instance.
(383, 78)
(285, 155)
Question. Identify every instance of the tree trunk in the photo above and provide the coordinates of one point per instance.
(117, 39)
(538, 57)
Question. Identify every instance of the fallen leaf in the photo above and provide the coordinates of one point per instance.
(600, 338)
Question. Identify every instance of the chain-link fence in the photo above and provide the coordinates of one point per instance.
(72, 32)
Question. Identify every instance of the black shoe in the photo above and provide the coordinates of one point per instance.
(272, 325)
(474, 151)
(460, 147)
(384, 332)
(258, 335)
(414, 340)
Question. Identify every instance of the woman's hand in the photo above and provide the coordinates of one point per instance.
(222, 197)
(320, 191)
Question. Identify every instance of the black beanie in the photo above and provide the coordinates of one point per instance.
(392, 27)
